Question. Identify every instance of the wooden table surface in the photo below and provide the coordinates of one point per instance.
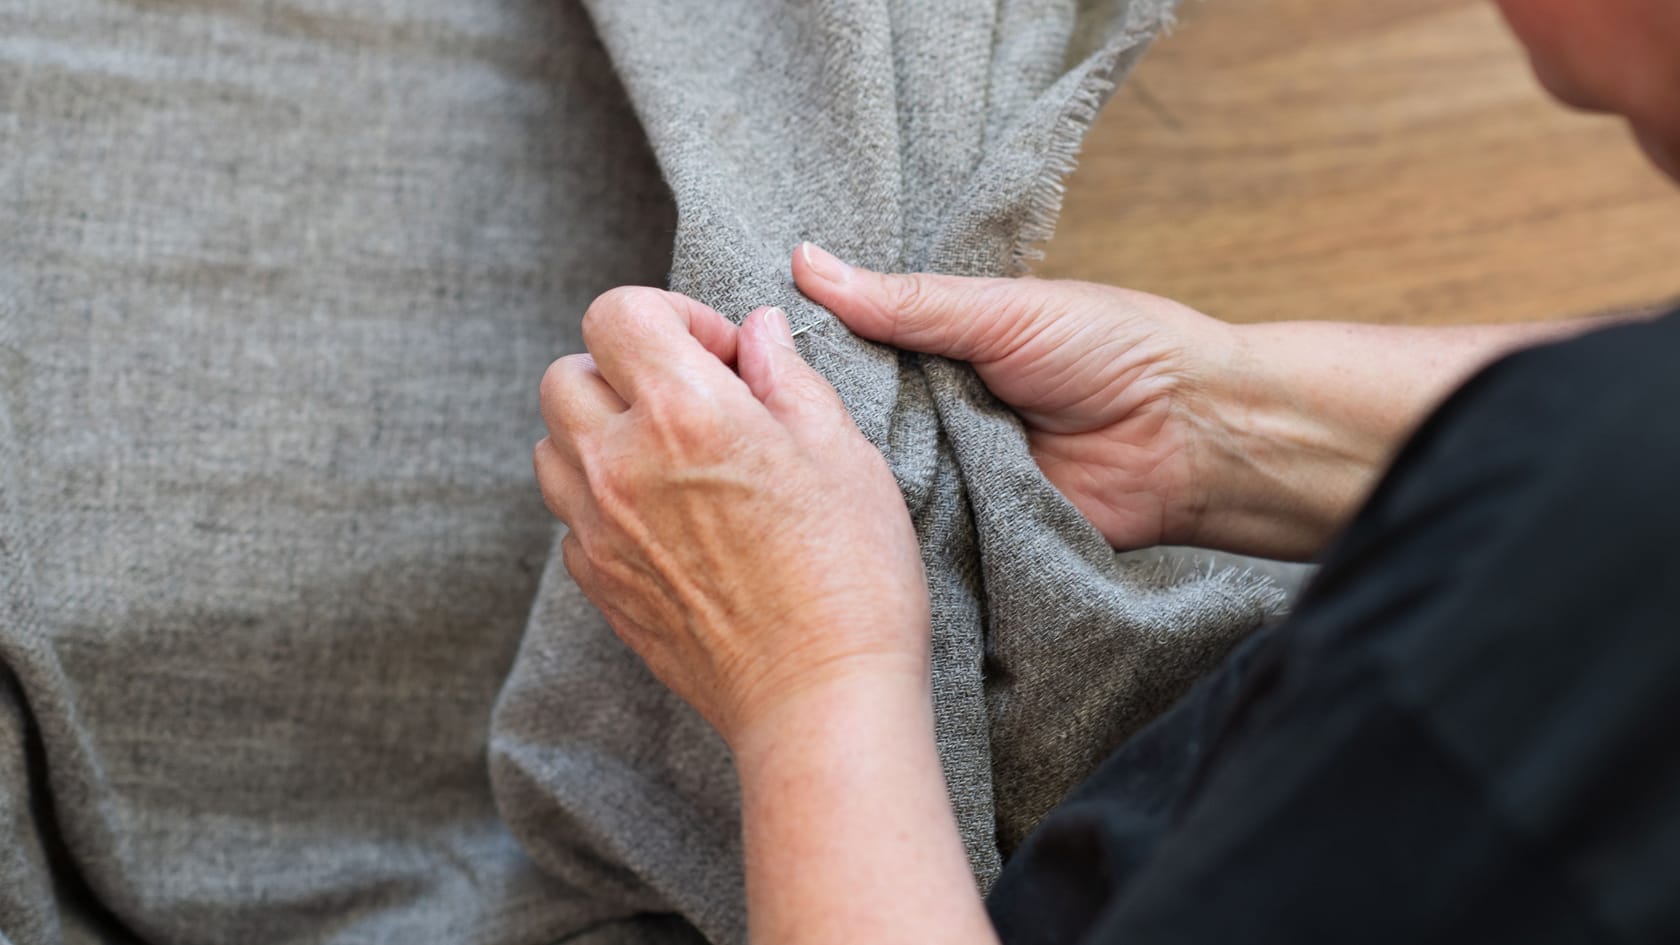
(1379, 160)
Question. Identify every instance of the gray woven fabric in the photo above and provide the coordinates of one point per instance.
(277, 282)
(955, 120)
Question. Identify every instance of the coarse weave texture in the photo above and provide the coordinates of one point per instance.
(278, 280)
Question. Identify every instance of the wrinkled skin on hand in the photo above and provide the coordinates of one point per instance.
(724, 512)
(1112, 384)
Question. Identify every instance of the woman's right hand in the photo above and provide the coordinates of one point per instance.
(1113, 385)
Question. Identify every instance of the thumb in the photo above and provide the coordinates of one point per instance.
(965, 318)
(795, 394)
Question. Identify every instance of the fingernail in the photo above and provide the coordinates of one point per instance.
(779, 327)
(825, 264)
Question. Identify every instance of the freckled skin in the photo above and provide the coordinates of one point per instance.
(717, 492)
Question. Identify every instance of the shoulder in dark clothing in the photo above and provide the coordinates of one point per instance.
(1468, 731)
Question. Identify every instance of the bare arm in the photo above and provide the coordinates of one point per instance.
(849, 833)
(1307, 415)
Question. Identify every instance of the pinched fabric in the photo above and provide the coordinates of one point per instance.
(285, 651)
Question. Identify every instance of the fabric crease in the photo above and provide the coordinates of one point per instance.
(286, 653)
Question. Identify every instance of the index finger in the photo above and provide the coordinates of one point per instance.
(647, 339)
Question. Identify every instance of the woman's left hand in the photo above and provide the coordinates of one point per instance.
(725, 514)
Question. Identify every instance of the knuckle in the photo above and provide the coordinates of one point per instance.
(552, 503)
(553, 379)
(814, 389)
(689, 426)
(560, 375)
(571, 550)
(603, 470)
(576, 559)
(948, 313)
(617, 484)
(615, 305)
(563, 399)
(912, 296)
(987, 319)
(629, 297)
(553, 499)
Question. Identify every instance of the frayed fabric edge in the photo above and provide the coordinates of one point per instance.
(1103, 74)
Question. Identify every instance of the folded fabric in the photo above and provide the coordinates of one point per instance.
(916, 135)
(285, 655)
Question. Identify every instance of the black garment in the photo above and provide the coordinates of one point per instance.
(1468, 733)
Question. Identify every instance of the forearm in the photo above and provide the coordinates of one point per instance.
(849, 832)
(1308, 414)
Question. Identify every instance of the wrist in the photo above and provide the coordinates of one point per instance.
(1306, 416)
(846, 822)
(1283, 456)
(831, 706)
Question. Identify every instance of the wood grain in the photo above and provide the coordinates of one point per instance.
(1381, 160)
